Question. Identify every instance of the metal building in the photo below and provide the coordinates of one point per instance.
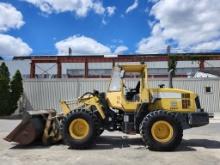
(46, 93)
(79, 74)
(100, 66)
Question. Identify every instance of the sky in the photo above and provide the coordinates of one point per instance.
(97, 27)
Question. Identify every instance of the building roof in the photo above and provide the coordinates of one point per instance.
(208, 54)
(204, 75)
(212, 71)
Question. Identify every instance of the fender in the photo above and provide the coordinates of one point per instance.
(95, 102)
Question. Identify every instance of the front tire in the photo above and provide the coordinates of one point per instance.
(78, 129)
(161, 131)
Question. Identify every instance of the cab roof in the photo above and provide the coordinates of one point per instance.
(133, 68)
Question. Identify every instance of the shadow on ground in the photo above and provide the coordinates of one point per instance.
(205, 143)
(35, 145)
(111, 142)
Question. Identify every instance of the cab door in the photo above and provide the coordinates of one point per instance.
(130, 105)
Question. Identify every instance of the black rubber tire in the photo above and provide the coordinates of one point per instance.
(98, 125)
(88, 141)
(147, 123)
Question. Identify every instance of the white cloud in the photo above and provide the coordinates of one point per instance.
(79, 7)
(189, 24)
(153, 44)
(108, 12)
(81, 45)
(206, 46)
(120, 49)
(98, 8)
(10, 17)
(132, 7)
(117, 41)
(111, 10)
(104, 22)
(10, 46)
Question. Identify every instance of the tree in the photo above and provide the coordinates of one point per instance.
(16, 90)
(172, 64)
(10, 92)
(4, 73)
(4, 90)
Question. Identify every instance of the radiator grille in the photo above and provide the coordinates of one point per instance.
(185, 100)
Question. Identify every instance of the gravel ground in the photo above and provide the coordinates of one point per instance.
(200, 146)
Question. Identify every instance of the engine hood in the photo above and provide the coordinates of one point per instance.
(174, 93)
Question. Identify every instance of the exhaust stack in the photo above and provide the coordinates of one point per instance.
(170, 78)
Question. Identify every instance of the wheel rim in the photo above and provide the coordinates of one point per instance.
(79, 128)
(162, 131)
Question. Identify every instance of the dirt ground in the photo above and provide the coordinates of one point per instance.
(200, 146)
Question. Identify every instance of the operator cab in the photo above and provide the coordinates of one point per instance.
(121, 81)
(128, 86)
(132, 89)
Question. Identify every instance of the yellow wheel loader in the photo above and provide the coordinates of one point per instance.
(159, 115)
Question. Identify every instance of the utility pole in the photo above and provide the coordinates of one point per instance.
(168, 50)
(171, 64)
(70, 51)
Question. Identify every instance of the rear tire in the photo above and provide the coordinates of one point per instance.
(161, 131)
(78, 129)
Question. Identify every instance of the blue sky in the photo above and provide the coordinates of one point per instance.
(132, 26)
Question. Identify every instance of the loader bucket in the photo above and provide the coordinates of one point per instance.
(29, 130)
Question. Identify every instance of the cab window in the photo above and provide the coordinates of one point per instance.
(115, 84)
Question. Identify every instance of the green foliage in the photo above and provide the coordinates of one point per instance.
(172, 63)
(10, 92)
(4, 89)
(16, 90)
(4, 73)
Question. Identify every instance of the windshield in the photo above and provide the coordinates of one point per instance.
(115, 84)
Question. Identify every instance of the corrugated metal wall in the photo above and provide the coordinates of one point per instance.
(46, 93)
